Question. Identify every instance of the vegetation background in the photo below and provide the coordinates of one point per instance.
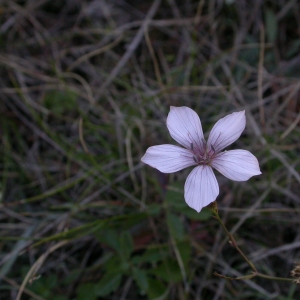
(85, 89)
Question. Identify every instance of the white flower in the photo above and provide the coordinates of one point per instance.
(201, 187)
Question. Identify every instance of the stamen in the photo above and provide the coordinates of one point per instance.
(194, 159)
(203, 146)
(194, 143)
(213, 148)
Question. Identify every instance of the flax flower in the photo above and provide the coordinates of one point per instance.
(201, 187)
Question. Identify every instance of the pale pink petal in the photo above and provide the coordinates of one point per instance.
(185, 127)
(201, 187)
(238, 165)
(168, 158)
(227, 130)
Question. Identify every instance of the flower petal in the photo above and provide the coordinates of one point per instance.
(201, 187)
(168, 158)
(227, 130)
(185, 127)
(238, 165)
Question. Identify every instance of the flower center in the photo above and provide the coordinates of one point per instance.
(203, 156)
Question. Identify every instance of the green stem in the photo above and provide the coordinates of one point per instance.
(231, 238)
(246, 277)
(274, 277)
(250, 276)
(214, 208)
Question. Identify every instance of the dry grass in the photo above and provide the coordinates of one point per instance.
(85, 89)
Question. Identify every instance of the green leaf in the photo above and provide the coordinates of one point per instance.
(140, 277)
(154, 209)
(175, 226)
(109, 283)
(151, 255)
(59, 297)
(185, 251)
(271, 25)
(114, 264)
(86, 291)
(168, 270)
(174, 196)
(110, 238)
(156, 288)
(126, 244)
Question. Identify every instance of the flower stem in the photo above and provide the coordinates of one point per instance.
(233, 243)
(250, 276)
(232, 240)
(274, 277)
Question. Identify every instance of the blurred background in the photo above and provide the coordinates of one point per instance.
(85, 89)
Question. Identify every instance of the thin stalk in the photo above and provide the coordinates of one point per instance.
(233, 243)
(274, 277)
